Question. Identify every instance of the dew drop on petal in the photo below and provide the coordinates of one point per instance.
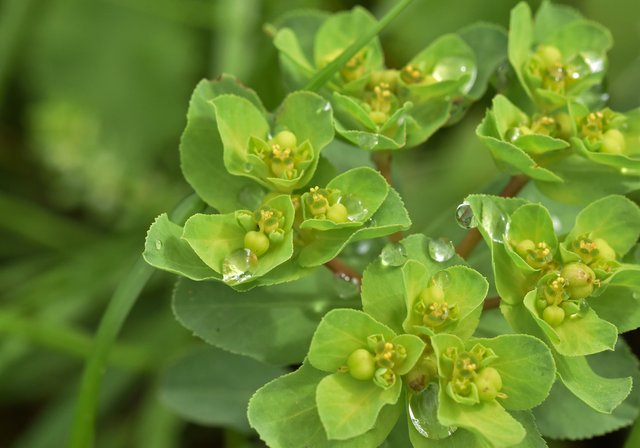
(248, 167)
(345, 286)
(237, 266)
(464, 216)
(441, 250)
(423, 413)
(442, 279)
(158, 244)
(393, 254)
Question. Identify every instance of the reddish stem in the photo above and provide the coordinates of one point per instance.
(343, 271)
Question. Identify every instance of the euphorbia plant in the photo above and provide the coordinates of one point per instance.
(414, 343)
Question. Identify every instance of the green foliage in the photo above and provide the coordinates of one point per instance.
(289, 193)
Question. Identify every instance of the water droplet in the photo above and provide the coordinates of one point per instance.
(355, 208)
(345, 286)
(326, 107)
(441, 249)
(251, 196)
(454, 68)
(423, 412)
(364, 247)
(393, 254)
(464, 216)
(320, 306)
(512, 134)
(595, 62)
(158, 244)
(367, 140)
(557, 224)
(442, 279)
(636, 295)
(237, 266)
(248, 167)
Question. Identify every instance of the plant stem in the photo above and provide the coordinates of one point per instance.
(326, 73)
(343, 271)
(123, 299)
(382, 161)
(473, 237)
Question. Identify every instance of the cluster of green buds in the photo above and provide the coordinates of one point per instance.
(325, 203)
(285, 158)
(596, 253)
(557, 125)
(600, 131)
(380, 96)
(537, 255)
(412, 74)
(432, 307)
(377, 362)
(557, 75)
(563, 293)
(264, 227)
(471, 378)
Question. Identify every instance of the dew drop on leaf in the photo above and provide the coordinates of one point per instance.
(393, 254)
(464, 216)
(356, 210)
(423, 412)
(237, 266)
(345, 286)
(442, 279)
(326, 107)
(158, 244)
(583, 309)
(497, 228)
(248, 167)
(368, 141)
(441, 250)
(454, 68)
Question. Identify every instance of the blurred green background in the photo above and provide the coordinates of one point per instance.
(93, 98)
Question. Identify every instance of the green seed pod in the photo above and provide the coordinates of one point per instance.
(580, 278)
(361, 364)
(605, 251)
(338, 213)
(489, 382)
(257, 242)
(286, 139)
(553, 315)
(613, 142)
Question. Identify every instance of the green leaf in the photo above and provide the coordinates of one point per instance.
(615, 219)
(199, 388)
(620, 161)
(619, 303)
(164, 249)
(564, 416)
(341, 30)
(600, 393)
(414, 346)
(486, 419)
(215, 237)
(339, 334)
(425, 118)
(349, 407)
(201, 150)
(492, 214)
(526, 367)
(582, 36)
(583, 335)
(383, 295)
(489, 43)
(520, 40)
(272, 324)
(550, 17)
(533, 222)
(365, 187)
(462, 286)
(285, 415)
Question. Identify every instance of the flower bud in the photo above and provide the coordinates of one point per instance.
(257, 242)
(613, 142)
(338, 213)
(580, 278)
(286, 139)
(553, 315)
